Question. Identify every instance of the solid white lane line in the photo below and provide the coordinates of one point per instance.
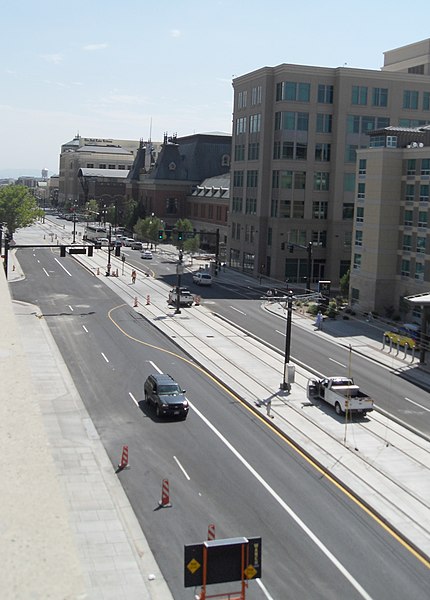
(338, 363)
(46, 272)
(104, 356)
(84, 328)
(237, 310)
(182, 468)
(155, 366)
(416, 404)
(280, 332)
(331, 557)
(71, 308)
(133, 398)
(264, 589)
(64, 268)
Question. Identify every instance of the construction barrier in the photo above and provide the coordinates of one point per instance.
(124, 458)
(211, 532)
(148, 300)
(136, 303)
(165, 498)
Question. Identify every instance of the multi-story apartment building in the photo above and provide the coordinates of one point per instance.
(296, 132)
(391, 241)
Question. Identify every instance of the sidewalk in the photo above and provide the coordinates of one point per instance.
(67, 527)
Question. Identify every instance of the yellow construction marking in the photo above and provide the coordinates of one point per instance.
(193, 565)
(288, 441)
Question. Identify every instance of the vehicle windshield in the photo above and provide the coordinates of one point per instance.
(169, 390)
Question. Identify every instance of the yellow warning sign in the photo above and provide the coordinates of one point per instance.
(250, 572)
(193, 565)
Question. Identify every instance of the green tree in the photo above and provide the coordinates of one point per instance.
(18, 207)
(147, 229)
(92, 210)
(344, 284)
(192, 244)
(184, 226)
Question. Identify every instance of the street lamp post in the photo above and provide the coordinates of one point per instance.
(108, 267)
(179, 271)
(74, 223)
(288, 375)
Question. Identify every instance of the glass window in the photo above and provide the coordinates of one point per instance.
(360, 214)
(286, 180)
(239, 152)
(288, 150)
(293, 91)
(256, 95)
(380, 96)
(362, 166)
(299, 180)
(348, 210)
(275, 179)
(407, 242)
(325, 94)
(319, 209)
(269, 236)
(236, 204)
(405, 268)
(391, 141)
(426, 100)
(357, 261)
(298, 209)
(322, 152)
(353, 124)
(358, 237)
(419, 271)
(408, 217)
(361, 191)
(252, 178)
(351, 153)
(349, 182)
(251, 206)
(424, 193)
(240, 125)
(237, 178)
(321, 181)
(421, 245)
(253, 151)
(276, 150)
(410, 193)
(324, 123)
(411, 166)
(425, 166)
(422, 219)
(410, 99)
(301, 151)
(359, 94)
(241, 99)
(254, 123)
(319, 238)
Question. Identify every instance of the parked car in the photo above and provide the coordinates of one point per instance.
(202, 278)
(103, 241)
(185, 297)
(162, 392)
(137, 246)
(146, 254)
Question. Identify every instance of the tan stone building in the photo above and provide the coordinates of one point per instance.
(296, 133)
(391, 243)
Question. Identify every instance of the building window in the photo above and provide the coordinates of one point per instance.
(410, 99)
(239, 152)
(417, 69)
(321, 181)
(351, 153)
(361, 191)
(293, 151)
(426, 100)
(256, 95)
(419, 271)
(269, 236)
(411, 165)
(324, 123)
(121, 167)
(347, 239)
(319, 209)
(292, 121)
(102, 166)
(237, 178)
(359, 217)
(405, 268)
(380, 97)
(90, 166)
(408, 217)
(358, 237)
(348, 211)
(254, 123)
(377, 141)
(391, 141)
(293, 91)
(357, 261)
(407, 242)
(299, 180)
(319, 238)
(424, 192)
(274, 208)
(421, 245)
(236, 205)
(298, 209)
(240, 125)
(422, 219)
(349, 182)
(251, 206)
(241, 99)
(359, 95)
(362, 166)
(355, 294)
(409, 192)
(253, 151)
(425, 166)
(275, 179)
(111, 167)
(322, 152)
(252, 178)
(325, 94)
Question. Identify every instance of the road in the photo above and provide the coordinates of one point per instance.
(224, 465)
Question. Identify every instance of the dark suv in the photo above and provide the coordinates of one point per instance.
(162, 391)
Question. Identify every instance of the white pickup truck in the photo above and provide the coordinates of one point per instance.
(340, 392)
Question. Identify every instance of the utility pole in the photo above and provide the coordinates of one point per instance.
(288, 375)
(109, 251)
(179, 271)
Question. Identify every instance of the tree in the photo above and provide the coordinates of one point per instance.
(147, 229)
(344, 284)
(18, 208)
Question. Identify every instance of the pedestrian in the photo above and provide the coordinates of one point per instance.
(268, 404)
(319, 320)
(369, 317)
(133, 276)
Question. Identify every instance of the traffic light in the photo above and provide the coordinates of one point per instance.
(62, 251)
(291, 248)
(160, 234)
(180, 235)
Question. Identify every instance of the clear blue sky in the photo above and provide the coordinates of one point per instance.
(108, 68)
